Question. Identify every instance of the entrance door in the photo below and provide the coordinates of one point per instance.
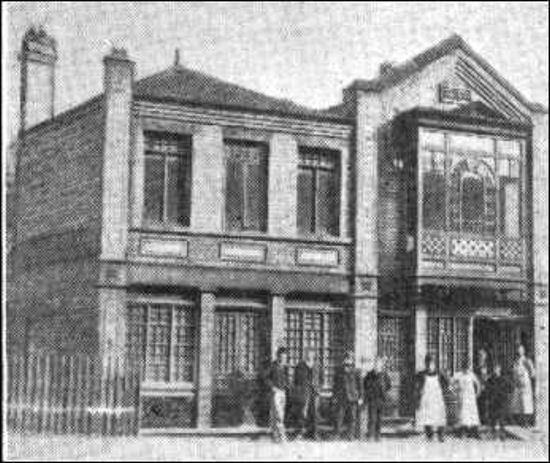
(239, 348)
(500, 339)
(394, 345)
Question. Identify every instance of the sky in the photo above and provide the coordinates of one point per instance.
(303, 51)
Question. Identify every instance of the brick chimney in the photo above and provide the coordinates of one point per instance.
(38, 57)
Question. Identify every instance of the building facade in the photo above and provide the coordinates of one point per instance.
(196, 226)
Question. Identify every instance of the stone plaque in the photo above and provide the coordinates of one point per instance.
(164, 247)
(242, 252)
(321, 257)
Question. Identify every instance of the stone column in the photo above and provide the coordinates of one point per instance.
(420, 335)
(207, 197)
(540, 264)
(206, 358)
(283, 163)
(277, 323)
(365, 322)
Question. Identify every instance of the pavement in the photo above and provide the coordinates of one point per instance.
(261, 448)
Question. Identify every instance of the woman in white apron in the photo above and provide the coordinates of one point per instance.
(430, 405)
(468, 389)
(523, 373)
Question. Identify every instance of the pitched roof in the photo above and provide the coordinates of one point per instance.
(184, 85)
(398, 73)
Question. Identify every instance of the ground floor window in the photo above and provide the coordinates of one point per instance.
(322, 330)
(161, 335)
(448, 342)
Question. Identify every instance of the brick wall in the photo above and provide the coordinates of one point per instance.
(52, 297)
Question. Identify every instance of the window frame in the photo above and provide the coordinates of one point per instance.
(184, 155)
(443, 145)
(245, 167)
(315, 172)
(174, 304)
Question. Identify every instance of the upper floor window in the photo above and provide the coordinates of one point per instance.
(471, 184)
(246, 186)
(318, 202)
(167, 189)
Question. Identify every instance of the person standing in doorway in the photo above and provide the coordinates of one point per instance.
(306, 391)
(277, 381)
(522, 404)
(498, 390)
(430, 405)
(348, 394)
(468, 388)
(483, 373)
(376, 386)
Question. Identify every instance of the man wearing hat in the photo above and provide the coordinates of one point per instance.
(348, 393)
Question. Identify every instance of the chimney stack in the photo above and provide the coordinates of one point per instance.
(38, 57)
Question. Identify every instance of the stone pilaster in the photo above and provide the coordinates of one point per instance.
(206, 358)
(283, 160)
(207, 197)
(420, 335)
(365, 322)
(277, 316)
(118, 79)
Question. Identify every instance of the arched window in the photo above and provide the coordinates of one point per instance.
(473, 196)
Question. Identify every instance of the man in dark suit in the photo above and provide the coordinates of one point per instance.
(376, 386)
(306, 390)
(348, 393)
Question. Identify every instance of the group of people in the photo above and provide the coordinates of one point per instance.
(485, 396)
(350, 392)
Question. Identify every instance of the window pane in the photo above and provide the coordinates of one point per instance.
(177, 196)
(471, 143)
(184, 344)
(306, 198)
(472, 204)
(234, 196)
(509, 207)
(246, 186)
(159, 339)
(154, 189)
(327, 202)
(433, 208)
(509, 147)
(256, 196)
(432, 139)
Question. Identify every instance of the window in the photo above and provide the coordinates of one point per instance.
(318, 202)
(509, 197)
(162, 337)
(317, 329)
(434, 208)
(473, 196)
(448, 342)
(471, 184)
(246, 186)
(167, 192)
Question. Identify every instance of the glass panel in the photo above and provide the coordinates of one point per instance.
(159, 340)
(154, 189)
(184, 344)
(136, 334)
(433, 207)
(509, 207)
(306, 197)
(256, 196)
(177, 200)
(327, 203)
(234, 192)
(509, 147)
(472, 204)
(432, 139)
(471, 143)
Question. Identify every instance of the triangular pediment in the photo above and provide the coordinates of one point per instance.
(478, 110)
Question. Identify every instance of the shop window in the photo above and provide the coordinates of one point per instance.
(167, 180)
(320, 330)
(318, 195)
(246, 186)
(448, 342)
(161, 336)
